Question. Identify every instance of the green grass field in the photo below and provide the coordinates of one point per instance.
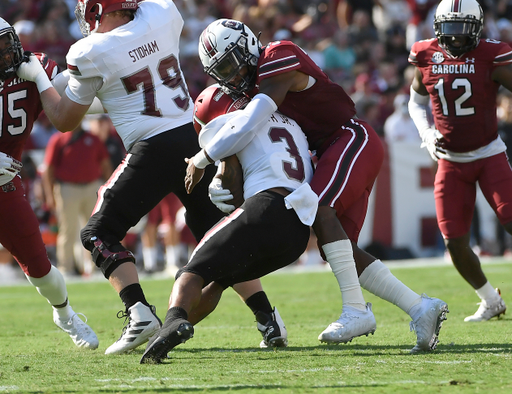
(36, 357)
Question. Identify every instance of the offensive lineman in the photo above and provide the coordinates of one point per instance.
(129, 61)
(460, 74)
(269, 231)
(19, 229)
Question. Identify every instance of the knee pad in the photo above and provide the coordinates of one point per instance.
(109, 257)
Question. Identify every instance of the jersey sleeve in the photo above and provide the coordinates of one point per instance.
(84, 77)
(413, 54)
(277, 58)
(79, 60)
(422, 52)
(503, 56)
(416, 55)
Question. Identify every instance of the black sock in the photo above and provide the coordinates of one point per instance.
(176, 312)
(259, 302)
(132, 294)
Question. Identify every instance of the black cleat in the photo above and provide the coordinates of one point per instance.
(272, 329)
(178, 331)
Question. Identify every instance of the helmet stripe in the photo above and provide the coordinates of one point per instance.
(456, 6)
(207, 45)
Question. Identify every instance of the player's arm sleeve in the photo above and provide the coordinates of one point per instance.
(239, 131)
(418, 107)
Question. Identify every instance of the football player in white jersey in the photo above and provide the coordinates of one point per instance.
(128, 59)
(269, 231)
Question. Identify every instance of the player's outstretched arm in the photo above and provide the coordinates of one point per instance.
(65, 114)
(60, 83)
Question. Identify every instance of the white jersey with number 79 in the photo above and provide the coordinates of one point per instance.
(134, 70)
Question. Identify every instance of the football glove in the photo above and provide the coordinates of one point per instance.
(9, 168)
(430, 141)
(218, 196)
(32, 70)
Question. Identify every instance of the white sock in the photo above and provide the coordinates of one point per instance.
(150, 255)
(65, 313)
(172, 255)
(378, 280)
(340, 257)
(53, 287)
(487, 294)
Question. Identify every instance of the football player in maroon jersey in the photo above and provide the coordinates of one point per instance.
(460, 74)
(19, 230)
(282, 76)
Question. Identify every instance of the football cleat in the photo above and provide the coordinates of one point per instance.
(487, 311)
(142, 324)
(427, 323)
(351, 324)
(170, 335)
(81, 334)
(273, 329)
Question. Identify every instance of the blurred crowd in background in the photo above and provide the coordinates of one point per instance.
(362, 45)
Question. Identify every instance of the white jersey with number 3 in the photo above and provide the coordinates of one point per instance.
(276, 156)
(134, 70)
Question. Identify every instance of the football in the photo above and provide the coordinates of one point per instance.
(233, 179)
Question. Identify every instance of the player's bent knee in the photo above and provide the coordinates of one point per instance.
(109, 257)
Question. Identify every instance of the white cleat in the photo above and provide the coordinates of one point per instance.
(487, 311)
(142, 324)
(351, 324)
(274, 331)
(82, 335)
(428, 323)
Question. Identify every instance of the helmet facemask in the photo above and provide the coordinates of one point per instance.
(235, 62)
(448, 28)
(12, 56)
(229, 52)
(84, 17)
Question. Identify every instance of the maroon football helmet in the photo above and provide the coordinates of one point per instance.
(213, 102)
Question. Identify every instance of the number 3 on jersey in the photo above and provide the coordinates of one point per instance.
(279, 134)
(169, 74)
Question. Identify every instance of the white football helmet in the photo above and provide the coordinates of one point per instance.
(455, 19)
(89, 13)
(11, 51)
(229, 51)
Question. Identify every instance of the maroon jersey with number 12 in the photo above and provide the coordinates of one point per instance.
(462, 92)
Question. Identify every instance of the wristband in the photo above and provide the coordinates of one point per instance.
(200, 160)
(43, 82)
